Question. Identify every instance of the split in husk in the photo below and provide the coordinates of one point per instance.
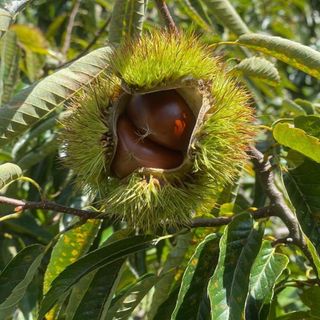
(215, 153)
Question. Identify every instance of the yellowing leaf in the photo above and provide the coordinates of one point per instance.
(30, 38)
(297, 139)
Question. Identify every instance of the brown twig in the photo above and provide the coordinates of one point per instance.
(87, 48)
(21, 205)
(72, 17)
(221, 221)
(166, 16)
(279, 207)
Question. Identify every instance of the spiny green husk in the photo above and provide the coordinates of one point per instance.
(145, 199)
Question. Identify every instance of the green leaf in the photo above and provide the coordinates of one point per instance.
(311, 297)
(297, 139)
(8, 173)
(303, 187)
(163, 286)
(70, 247)
(92, 261)
(97, 299)
(30, 38)
(265, 271)
(299, 315)
(127, 301)
(260, 69)
(37, 101)
(306, 105)
(127, 19)
(315, 255)
(293, 107)
(228, 287)
(193, 13)
(310, 124)
(166, 308)
(10, 55)
(16, 277)
(195, 279)
(295, 54)
(224, 12)
(98, 286)
(5, 21)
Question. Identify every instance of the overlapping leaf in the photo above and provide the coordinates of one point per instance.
(10, 65)
(70, 247)
(259, 68)
(16, 277)
(92, 261)
(195, 12)
(97, 298)
(127, 19)
(297, 139)
(127, 301)
(228, 287)
(37, 101)
(265, 271)
(162, 288)
(8, 173)
(293, 53)
(303, 186)
(192, 294)
(5, 21)
(224, 12)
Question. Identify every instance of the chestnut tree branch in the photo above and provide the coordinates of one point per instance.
(21, 205)
(278, 205)
(221, 221)
(166, 16)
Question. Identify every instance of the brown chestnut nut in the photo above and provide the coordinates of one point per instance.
(133, 151)
(164, 117)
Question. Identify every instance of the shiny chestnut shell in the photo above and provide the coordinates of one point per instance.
(133, 151)
(164, 117)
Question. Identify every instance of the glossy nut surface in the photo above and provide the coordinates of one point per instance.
(133, 151)
(164, 117)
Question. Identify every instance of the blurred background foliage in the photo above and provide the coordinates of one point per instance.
(50, 33)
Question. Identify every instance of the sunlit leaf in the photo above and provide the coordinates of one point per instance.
(10, 65)
(293, 53)
(30, 38)
(265, 271)
(127, 19)
(37, 101)
(228, 287)
(297, 139)
(5, 21)
(123, 305)
(259, 68)
(224, 12)
(8, 173)
(92, 261)
(310, 124)
(193, 13)
(70, 247)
